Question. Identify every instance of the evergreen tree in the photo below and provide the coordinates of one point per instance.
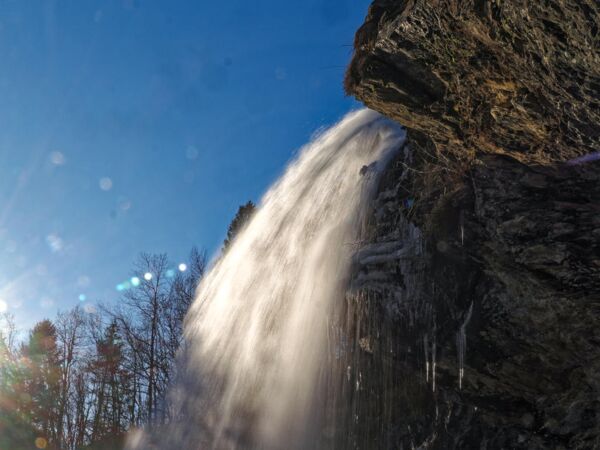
(41, 380)
(240, 220)
(15, 430)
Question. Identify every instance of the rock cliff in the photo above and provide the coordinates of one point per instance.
(474, 300)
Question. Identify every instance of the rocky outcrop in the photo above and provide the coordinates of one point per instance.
(474, 300)
(520, 78)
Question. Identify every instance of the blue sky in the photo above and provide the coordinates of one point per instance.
(135, 125)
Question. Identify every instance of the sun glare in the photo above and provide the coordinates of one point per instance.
(3, 306)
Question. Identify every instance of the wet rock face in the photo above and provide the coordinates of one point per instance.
(475, 309)
(475, 298)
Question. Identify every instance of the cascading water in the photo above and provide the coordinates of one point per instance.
(258, 330)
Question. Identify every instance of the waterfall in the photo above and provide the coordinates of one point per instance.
(257, 333)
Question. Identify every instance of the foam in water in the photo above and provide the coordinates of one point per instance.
(257, 331)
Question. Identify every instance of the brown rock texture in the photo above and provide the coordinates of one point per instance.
(475, 298)
(517, 77)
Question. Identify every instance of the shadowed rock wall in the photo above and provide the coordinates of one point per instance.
(480, 270)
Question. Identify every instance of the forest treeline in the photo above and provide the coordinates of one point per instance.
(83, 379)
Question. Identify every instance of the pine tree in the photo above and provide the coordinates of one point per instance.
(41, 380)
(240, 220)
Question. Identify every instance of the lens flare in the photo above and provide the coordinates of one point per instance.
(135, 281)
(46, 302)
(105, 184)
(57, 158)
(55, 242)
(191, 152)
(83, 281)
(584, 159)
(147, 276)
(182, 267)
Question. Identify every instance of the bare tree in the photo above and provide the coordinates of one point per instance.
(8, 329)
(83, 379)
(70, 329)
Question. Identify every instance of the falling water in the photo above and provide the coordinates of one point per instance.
(257, 331)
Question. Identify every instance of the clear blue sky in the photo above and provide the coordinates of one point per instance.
(135, 125)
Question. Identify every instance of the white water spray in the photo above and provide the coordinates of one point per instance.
(257, 331)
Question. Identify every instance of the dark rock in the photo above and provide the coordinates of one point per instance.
(474, 300)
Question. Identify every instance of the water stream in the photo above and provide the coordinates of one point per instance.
(258, 329)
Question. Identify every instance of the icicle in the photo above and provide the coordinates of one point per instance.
(461, 345)
(433, 363)
(425, 347)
